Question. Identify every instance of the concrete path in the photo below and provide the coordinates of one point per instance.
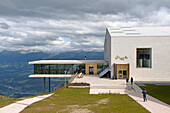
(102, 85)
(106, 85)
(153, 105)
(20, 105)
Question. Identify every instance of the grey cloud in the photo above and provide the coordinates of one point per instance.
(4, 25)
(39, 24)
(57, 8)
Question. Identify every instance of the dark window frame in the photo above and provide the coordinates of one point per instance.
(150, 58)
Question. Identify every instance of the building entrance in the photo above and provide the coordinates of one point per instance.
(91, 70)
(122, 74)
(121, 71)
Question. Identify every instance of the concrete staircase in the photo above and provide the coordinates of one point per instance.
(104, 71)
(104, 85)
(119, 87)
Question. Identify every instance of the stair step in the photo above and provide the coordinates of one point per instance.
(108, 87)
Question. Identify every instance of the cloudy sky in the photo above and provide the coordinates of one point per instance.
(67, 25)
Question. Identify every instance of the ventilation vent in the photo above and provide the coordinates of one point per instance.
(129, 30)
(132, 33)
(116, 32)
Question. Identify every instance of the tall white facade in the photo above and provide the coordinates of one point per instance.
(121, 46)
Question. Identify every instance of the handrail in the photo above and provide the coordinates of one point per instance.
(72, 78)
(58, 86)
(62, 84)
(103, 68)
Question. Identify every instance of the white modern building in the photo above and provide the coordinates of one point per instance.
(139, 52)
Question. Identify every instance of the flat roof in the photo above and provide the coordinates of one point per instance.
(139, 31)
(49, 75)
(66, 61)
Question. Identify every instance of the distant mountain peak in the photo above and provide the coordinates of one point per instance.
(30, 51)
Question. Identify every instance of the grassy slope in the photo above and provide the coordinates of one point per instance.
(5, 100)
(160, 92)
(72, 99)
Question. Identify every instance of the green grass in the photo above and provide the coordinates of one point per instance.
(26, 97)
(79, 100)
(160, 92)
(5, 100)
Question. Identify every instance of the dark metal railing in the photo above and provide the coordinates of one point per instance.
(59, 86)
(103, 68)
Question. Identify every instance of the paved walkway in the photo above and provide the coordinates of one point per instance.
(106, 85)
(20, 105)
(102, 85)
(153, 105)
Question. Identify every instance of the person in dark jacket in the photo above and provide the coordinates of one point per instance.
(127, 80)
(144, 95)
(131, 80)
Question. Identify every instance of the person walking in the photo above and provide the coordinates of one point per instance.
(144, 95)
(131, 80)
(127, 80)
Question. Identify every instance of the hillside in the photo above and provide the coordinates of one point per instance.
(14, 70)
(5, 100)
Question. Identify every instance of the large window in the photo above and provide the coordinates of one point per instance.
(58, 68)
(144, 57)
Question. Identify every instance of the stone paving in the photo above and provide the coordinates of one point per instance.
(152, 104)
(20, 105)
(102, 85)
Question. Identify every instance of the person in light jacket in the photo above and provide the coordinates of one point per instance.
(144, 95)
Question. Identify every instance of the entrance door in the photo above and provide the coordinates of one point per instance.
(122, 74)
(91, 70)
(121, 71)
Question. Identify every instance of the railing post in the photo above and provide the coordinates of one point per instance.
(65, 78)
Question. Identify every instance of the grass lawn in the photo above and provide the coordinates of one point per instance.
(78, 100)
(161, 92)
(5, 100)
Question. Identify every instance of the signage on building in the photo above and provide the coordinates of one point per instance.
(121, 58)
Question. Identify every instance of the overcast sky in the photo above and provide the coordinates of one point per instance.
(67, 25)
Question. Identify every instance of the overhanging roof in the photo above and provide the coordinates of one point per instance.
(66, 61)
(49, 75)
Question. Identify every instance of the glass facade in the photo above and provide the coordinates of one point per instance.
(58, 68)
(144, 57)
(61, 68)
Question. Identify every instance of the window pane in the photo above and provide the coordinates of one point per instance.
(120, 74)
(37, 69)
(124, 74)
(68, 68)
(81, 68)
(61, 69)
(46, 69)
(53, 68)
(144, 57)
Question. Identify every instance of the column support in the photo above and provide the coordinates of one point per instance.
(44, 84)
(49, 85)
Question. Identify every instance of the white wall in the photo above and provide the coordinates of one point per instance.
(107, 47)
(126, 46)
